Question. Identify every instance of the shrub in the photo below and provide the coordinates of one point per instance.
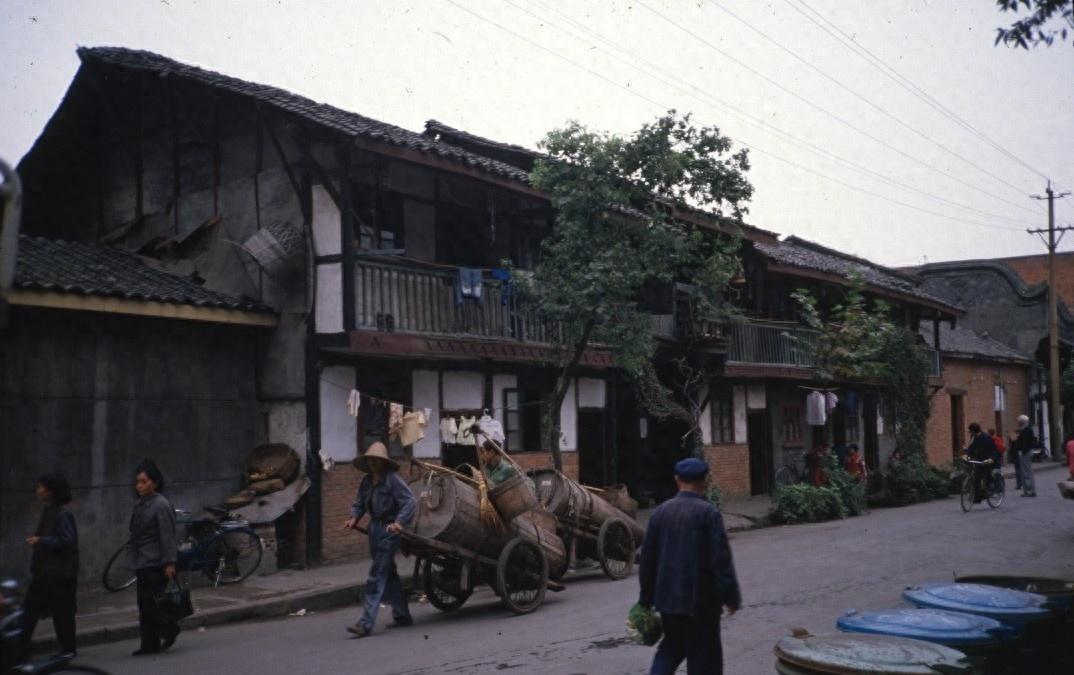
(914, 480)
(713, 494)
(851, 491)
(808, 504)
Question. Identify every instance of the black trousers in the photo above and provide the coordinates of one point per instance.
(151, 623)
(695, 639)
(53, 596)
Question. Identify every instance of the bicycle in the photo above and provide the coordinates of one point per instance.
(222, 547)
(12, 659)
(790, 474)
(994, 488)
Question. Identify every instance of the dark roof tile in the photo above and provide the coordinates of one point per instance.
(965, 343)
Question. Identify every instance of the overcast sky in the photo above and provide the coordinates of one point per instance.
(842, 153)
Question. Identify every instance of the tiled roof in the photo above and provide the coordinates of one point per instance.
(515, 155)
(965, 343)
(795, 252)
(86, 269)
(326, 115)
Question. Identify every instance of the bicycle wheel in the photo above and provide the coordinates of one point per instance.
(233, 555)
(967, 492)
(996, 492)
(784, 477)
(118, 573)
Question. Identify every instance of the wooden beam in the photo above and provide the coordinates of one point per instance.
(346, 233)
(267, 122)
(146, 308)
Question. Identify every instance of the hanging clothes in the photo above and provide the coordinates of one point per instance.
(491, 428)
(507, 288)
(395, 418)
(449, 430)
(850, 402)
(412, 428)
(468, 285)
(466, 431)
(830, 402)
(816, 415)
(354, 403)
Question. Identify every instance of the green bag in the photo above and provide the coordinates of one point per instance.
(645, 622)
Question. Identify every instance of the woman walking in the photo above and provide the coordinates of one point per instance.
(54, 566)
(153, 553)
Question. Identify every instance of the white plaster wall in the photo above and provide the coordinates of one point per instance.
(329, 315)
(568, 421)
(463, 389)
(426, 394)
(739, 407)
(499, 383)
(326, 235)
(339, 431)
(591, 392)
(755, 397)
(705, 423)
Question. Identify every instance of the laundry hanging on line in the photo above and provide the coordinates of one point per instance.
(816, 416)
(468, 285)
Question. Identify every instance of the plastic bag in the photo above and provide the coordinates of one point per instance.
(174, 601)
(645, 622)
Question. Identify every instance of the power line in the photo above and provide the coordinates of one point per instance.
(704, 97)
(642, 96)
(816, 106)
(891, 73)
(861, 97)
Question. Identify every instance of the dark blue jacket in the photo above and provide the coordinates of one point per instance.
(686, 565)
(387, 502)
(983, 447)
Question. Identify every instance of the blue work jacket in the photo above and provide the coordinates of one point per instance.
(686, 565)
(389, 501)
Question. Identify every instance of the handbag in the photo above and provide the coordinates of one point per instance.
(174, 601)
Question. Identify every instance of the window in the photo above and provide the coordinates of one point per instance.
(723, 421)
(512, 420)
(853, 427)
(792, 423)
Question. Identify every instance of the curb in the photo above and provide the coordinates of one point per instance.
(321, 599)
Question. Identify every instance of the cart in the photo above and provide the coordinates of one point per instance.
(456, 551)
(590, 526)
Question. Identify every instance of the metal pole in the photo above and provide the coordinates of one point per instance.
(1054, 415)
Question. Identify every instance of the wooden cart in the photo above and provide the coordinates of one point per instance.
(456, 551)
(589, 525)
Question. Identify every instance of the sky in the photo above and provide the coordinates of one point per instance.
(889, 129)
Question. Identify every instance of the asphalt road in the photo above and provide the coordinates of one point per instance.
(799, 576)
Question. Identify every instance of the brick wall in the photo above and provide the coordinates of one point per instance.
(1034, 269)
(977, 379)
(340, 484)
(729, 468)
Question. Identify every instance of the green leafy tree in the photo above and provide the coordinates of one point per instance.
(1047, 20)
(850, 336)
(907, 375)
(619, 203)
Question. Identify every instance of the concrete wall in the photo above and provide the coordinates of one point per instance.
(92, 394)
(978, 379)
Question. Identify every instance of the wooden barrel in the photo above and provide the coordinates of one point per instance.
(449, 511)
(572, 503)
(619, 497)
(513, 497)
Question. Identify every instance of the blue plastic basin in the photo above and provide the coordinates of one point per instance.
(952, 629)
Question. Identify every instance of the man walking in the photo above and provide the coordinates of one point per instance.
(1022, 451)
(688, 576)
(390, 505)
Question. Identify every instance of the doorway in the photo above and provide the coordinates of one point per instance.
(958, 425)
(592, 464)
(757, 431)
(871, 440)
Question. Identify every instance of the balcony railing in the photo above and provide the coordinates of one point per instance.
(412, 300)
(770, 345)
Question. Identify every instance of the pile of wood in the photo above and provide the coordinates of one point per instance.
(269, 468)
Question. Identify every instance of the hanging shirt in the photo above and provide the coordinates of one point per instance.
(830, 401)
(412, 428)
(354, 403)
(466, 433)
(449, 430)
(491, 428)
(816, 415)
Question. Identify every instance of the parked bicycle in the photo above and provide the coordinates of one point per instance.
(13, 660)
(994, 486)
(222, 547)
(791, 473)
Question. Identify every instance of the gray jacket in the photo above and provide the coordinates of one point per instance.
(152, 542)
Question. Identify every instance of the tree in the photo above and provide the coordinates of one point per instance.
(1045, 22)
(617, 228)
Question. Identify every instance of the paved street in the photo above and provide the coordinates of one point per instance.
(791, 576)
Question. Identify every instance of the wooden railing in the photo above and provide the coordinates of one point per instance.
(402, 299)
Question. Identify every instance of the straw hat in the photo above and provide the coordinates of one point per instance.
(376, 451)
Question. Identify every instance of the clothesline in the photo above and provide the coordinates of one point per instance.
(410, 408)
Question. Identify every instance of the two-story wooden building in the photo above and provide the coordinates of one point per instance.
(380, 252)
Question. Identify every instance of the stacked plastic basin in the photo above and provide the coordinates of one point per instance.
(985, 641)
(1036, 619)
(876, 654)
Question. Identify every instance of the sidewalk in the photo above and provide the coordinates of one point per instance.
(110, 617)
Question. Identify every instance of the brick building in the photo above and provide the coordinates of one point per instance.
(1033, 270)
(984, 381)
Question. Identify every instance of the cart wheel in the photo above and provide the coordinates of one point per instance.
(557, 573)
(615, 549)
(415, 576)
(521, 575)
(444, 584)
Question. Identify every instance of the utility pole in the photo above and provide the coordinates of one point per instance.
(1054, 415)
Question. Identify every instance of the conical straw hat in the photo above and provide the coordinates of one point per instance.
(379, 451)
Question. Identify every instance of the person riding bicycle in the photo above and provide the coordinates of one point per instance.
(981, 449)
